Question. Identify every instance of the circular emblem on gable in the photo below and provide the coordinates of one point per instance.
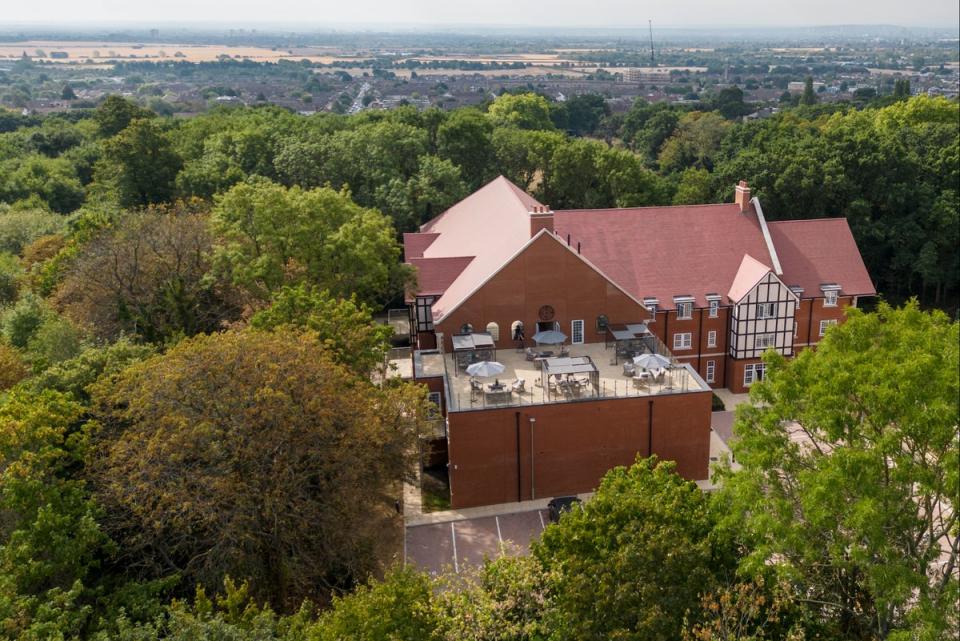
(546, 313)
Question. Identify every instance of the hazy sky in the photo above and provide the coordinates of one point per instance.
(586, 13)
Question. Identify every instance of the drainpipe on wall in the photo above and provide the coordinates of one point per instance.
(533, 485)
(666, 328)
(519, 475)
(649, 429)
(700, 342)
(728, 360)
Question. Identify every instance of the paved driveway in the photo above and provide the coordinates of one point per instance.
(455, 544)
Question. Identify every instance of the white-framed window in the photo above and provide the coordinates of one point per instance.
(711, 371)
(712, 338)
(494, 330)
(576, 332)
(683, 340)
(684, 311)
(763, 341)
(824, 324)
(830, 298)
(714, 308)
(766, 310)
(753, 373)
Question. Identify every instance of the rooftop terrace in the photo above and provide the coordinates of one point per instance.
(588, 371)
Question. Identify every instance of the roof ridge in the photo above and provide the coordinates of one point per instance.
(809, 220)
(564, 211)
(515, 189)
(512, 189)
(443, 257)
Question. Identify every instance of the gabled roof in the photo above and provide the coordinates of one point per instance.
(647, 252)
(415, 244)
(548, 237)
(434, 275)
(662, 252)
(751, 272)
(490, 225)
(814, 252)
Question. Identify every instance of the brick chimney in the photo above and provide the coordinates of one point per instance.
(541, 217)
(742, 196)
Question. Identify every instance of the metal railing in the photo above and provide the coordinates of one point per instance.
(675, 381)
(399, 353)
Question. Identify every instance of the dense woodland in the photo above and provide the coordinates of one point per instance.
(192, 445)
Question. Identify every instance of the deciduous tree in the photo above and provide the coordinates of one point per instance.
(252, 454)
(345, 328)
(141, 161)
(148, 276)
(850, 464)
(633, 561)
(523, 111)
(272, 235)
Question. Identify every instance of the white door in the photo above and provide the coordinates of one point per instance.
(576, 332)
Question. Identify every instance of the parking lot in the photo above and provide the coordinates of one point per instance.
(455, 544)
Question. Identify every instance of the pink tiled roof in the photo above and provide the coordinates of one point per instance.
(434, 275)
(491, 225)
(662, 252)
(820, 251)
(415, 244)
(648, 252)
(750, 273)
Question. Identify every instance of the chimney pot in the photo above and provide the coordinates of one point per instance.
(540, 218)
(742, 196)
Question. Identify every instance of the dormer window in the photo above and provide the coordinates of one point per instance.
(684, 306)
(651, 305)
(713, 300)
(831, 292)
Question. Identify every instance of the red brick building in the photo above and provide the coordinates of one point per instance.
(710, 287)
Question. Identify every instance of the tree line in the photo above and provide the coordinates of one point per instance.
(890, 168)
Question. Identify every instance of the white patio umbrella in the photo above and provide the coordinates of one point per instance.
(549, 337)
(484, 369)
(651, 361)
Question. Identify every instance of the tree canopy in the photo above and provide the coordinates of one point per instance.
(251, 454)
(273, 235)
(850, 462)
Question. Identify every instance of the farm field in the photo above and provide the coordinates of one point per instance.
(79, 51)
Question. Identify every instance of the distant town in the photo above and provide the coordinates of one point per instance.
(185, 72)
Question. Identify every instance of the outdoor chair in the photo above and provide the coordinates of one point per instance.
(629, 369)
(530, 354)
(518, 386)
(476, 390)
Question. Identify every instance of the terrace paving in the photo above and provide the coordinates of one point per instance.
(612, 381)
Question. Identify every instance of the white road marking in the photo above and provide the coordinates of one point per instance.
(453, 537)
(542, 525)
